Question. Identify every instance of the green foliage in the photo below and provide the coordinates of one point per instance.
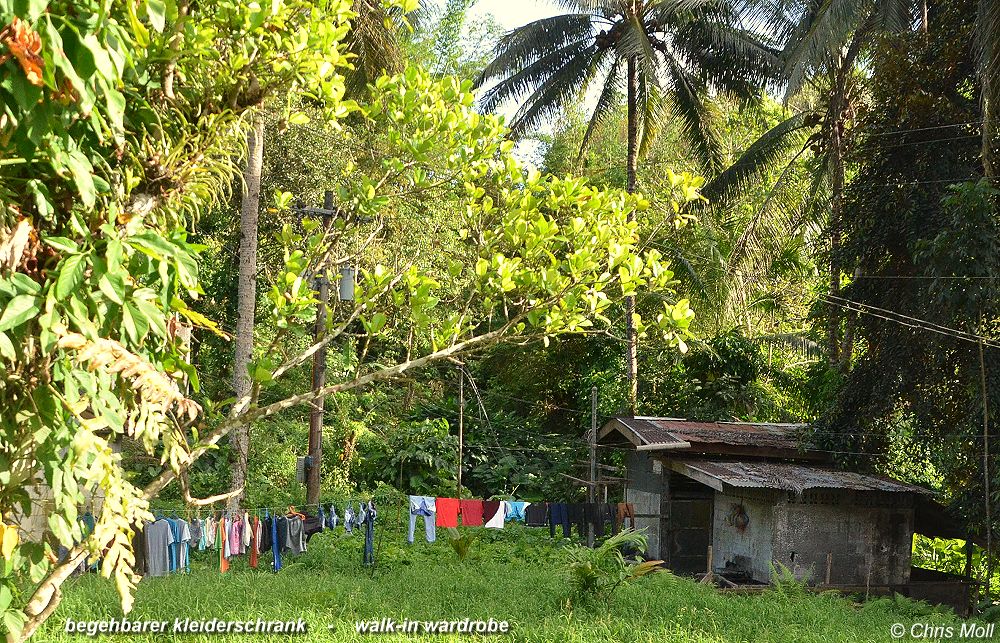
(122, 122)
(461, 543)
(419, 458)
(595, 573)
(921, 243)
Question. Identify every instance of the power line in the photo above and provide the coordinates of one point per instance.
(925, 129)
(913, 322)
(936, 140)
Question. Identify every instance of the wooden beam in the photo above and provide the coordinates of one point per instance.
(685, 470)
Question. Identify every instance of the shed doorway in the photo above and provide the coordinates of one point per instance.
(686, 524)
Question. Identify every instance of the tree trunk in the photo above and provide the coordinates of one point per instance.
(837, 125)
(246, 300)
(631, 356)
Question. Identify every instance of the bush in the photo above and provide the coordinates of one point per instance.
(597, 573)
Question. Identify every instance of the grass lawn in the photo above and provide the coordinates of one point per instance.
(514, 575)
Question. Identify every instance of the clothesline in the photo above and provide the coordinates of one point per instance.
(493, 514)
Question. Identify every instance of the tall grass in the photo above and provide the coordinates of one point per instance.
(516, 575)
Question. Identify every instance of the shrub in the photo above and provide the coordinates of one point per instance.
(597, 573)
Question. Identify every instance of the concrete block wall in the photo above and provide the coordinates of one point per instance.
(746, 549)
(644, 492)
(869, 544)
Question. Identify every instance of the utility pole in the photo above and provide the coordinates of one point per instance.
(318, 372)
(461, 426)
(592, 487)
(986, 470)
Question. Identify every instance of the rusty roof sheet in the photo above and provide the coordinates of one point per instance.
(651, 430)
(790, 477)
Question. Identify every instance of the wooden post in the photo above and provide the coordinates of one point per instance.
(591, 491)
(986, 471)
(461, 426)
(829, 566)
(318, 374)
(707, 578)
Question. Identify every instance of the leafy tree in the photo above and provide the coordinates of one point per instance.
(418, 457)
(925, 239)
(97, 266)
(664, 56)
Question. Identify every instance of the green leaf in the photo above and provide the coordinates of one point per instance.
(19, 310)
(113, 287)
(83, 176)
(14, 622)
(26, 284)
(156, 11)
(62, 243)
(134, 322)
(7, 350)
(70, 275)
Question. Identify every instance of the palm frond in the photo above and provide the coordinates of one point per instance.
(534, 41)
(609, 99)
(773, 146)
(818, 36)
(696, 113)
(562, 85)
(532, 76)
(653, 113)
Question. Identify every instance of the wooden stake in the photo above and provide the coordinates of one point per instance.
(708, 570)
(829, 566)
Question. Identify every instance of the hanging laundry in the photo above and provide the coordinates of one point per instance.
(312, 525)
(578, 516)
(139, 549)
(208, 533)
(626, 510)
(536, 514)
(494, 512)
(322, 520)
(275, 543)
(254, 541)
(246, 532)
(178, 549)
(221, 539)
(515, 510)
(368, 557)
(472, 512)
(158, 537)
(604, 514)
(332, 518)
(235, 536)
(295, 537)
(447, 512)
(426, 507)
(195, 525)
(349, 519)
(559, 515)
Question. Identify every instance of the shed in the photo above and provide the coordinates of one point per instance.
(759, 499)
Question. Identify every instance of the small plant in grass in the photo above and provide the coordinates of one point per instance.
(785, 581)
(461, 543)
(597, 573)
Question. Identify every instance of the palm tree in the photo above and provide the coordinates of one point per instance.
(664, 55)
(823, 41)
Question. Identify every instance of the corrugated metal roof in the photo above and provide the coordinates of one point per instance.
(651, 430)
(789, 477)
